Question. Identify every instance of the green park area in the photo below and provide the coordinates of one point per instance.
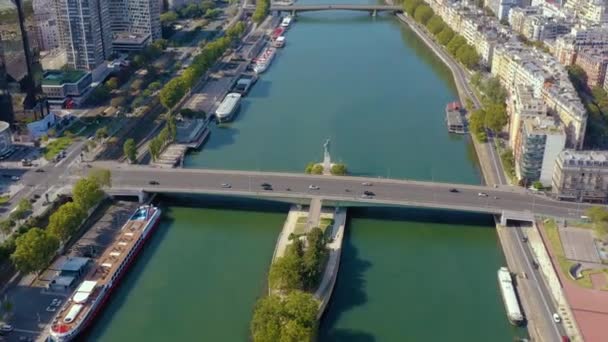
(552, 234)
(54, 147)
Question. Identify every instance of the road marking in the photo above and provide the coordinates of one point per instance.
(27, 331)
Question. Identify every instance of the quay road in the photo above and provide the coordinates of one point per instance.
(132, 178)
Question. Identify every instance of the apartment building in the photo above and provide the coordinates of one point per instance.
(581, 176)
(45, 18)
(537, 146)
(522, 105)
(594, 62)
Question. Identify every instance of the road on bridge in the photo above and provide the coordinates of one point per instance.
(346, 189)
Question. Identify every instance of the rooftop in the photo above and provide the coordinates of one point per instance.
(584, 156)
(58, 77)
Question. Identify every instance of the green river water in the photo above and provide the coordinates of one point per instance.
(373, 88)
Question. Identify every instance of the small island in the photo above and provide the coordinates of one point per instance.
(326, 167)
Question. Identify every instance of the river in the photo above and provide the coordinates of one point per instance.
(372, 87)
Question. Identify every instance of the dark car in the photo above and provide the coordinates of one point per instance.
(266, 185)
(39, 170)
(368, 193)
(454, 190)
(153, 182)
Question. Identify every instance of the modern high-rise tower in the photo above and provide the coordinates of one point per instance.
(84, 30)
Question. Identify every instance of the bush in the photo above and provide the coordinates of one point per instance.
(339, 170)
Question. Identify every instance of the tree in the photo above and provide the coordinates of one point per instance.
(155, 148)
(467, 55)
(313, 258)
(267, 322)
(423, 13)
(537, 185)
(435, 25)
(286, 273)
(168, 17)
(599, 217)
(154, 86)
(309, 168)
(261, 11)
(34, 250)
(317, 169)
(476, 79)
(339, 170)
(99, 95)
(6, 226)
(86, 193)
(577, 76)
(190, 76)
(288, 318)
(65, 221)
(24, 205)
(172, 92)
(410, 6)
(454, 44)
(130, 150)
(101, 133)
(496, 117)
(103, 177)
(113, 83)
(445, 36)
(494, 91)
(477, 122)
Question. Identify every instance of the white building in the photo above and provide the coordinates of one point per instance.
(581, 176)
(537, 147)
(522, 105)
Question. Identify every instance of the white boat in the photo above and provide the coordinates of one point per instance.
(228, 107)
(505, 282)
(286, 21)
(263, 61)
(88, 299)
(279, 42)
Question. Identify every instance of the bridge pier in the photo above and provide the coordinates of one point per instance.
(142, 197)
(294, 13)
(373, 13)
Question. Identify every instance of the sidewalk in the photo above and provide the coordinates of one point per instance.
(326, 286)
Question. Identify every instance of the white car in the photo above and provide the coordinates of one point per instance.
(56, 302)
(556, 318)
(313, 187)
(482, 194)
(366, 184)
(6, 328)
(15, 178)
(226, 186)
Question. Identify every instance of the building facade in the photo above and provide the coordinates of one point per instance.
(45, 18)
(594, 62)
(522, 105)
(537, 147)
(84, 28)
(60, 86)
(581, 176)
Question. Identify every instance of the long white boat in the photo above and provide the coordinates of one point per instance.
(228, 107)
(264, 59)
(88, 299)
(505, 282)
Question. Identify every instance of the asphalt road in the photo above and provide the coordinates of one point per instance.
(538, 298)
(349, 189)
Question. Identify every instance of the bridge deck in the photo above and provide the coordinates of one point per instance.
(473, 198)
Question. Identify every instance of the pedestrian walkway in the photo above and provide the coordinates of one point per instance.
(335, 238)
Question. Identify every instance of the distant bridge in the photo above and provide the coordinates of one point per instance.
(294, 9)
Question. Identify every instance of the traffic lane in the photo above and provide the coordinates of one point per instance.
(539, 287)
(383, 191)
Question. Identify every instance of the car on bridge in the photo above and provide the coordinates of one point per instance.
(454, 190)
(153, 182)
(226, 186)
(482, 194)
(368, 193)
(366, 184)
(313, 187)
